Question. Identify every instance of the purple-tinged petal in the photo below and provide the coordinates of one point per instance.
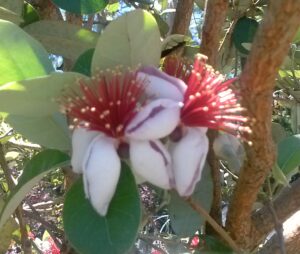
(81, 140)
(151, 161)
(101, 171)
(188, 157)
(156, 120)
(161, 85)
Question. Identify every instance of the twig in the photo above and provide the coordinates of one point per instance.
(152, 245)
(198, 208)
(18, 212)
(278, 226)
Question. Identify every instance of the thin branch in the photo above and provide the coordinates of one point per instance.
(18, 212)
(257, 81)
(184, 10)
(198, 208)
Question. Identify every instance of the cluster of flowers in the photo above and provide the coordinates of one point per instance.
(156, 119)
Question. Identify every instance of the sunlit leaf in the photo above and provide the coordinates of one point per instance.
(30, 15)
(34, 171)
(21, 57)
(115, 233)
(130, 40)
(62, 38)
(36, 97)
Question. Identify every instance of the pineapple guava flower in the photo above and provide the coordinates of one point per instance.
(206, 102)
(111, 117)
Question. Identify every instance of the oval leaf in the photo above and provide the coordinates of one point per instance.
(50, 131)
(243, 34)
(84, 62)
(81, 6)
(21, 57)
(129, 40)
(289, 154)
(115, 233)
(184, 220)
(36, 97)
(62, 38)
(34, 171)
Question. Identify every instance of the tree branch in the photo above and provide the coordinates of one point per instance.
(269, 48)
(183, 15)
(285, 205)
(215, 13)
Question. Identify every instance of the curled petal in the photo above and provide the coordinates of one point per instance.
(81, 139)
(151, 161)
(156, 120)
(189, 156)
(101, 171)
(161, 85)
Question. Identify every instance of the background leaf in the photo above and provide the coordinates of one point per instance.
(81, 6)
(14, 5)
(33, 172)
(36, 97)
(10, 16)
(30, 15)
(129, 40)
(184, 220)
(289, 154)
(21, 57)
(113, 234)
(84, 62)
(62, 38)
(244, 32)
(50, 131)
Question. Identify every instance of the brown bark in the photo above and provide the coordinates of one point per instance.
(46, 9)
(183, 15)
(291, 238)
(287, 203)
(215, 14)
(269, 48)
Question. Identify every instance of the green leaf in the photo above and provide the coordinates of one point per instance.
(10, 16)
(50, 131)
(14, 5)
(62, 38)
(162, 25)
(184, 220)
(289, 154)
(243, 34)
(172, 41)
(213, 245)
(88, 232)
(279, 176)
(34, 171)
(129, 40)
(84, 62)
(81, 6)
(36, 97)
(21, 57)
(297, 37)
(113, 7)
(30, 15)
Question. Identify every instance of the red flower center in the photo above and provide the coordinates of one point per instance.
(208, 101)
(106, 103)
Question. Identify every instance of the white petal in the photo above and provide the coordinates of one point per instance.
(81, 140)
(101, 171)
(156, 120)
(150, 160)
(162, 85)
(189, 155)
